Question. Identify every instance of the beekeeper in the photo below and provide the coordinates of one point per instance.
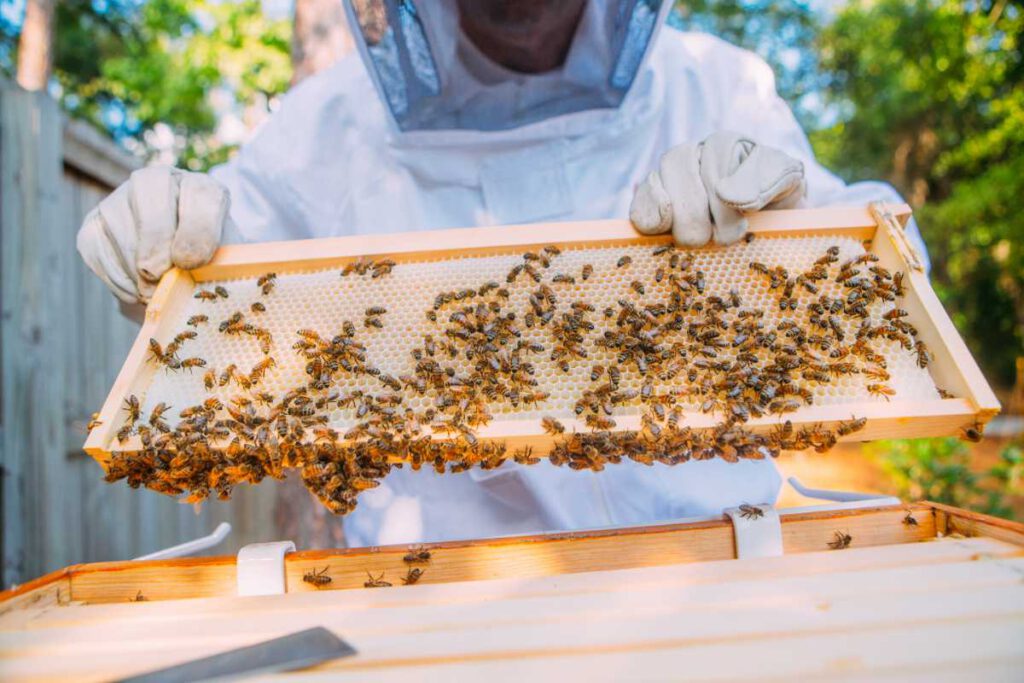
(489, 112)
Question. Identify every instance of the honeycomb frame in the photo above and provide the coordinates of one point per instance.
(878, 228)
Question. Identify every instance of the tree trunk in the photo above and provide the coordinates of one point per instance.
(35, 46)
(320, 37)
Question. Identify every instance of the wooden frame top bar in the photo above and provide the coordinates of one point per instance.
(295, 255)
(510, 557)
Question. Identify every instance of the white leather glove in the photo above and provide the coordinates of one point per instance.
(701, 191)
(158, 218)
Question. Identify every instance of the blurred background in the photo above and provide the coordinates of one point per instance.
(926, 94)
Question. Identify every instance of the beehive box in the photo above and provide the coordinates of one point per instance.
(321, 284)
(937, 599)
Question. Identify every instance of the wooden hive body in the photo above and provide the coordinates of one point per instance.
(937, 599)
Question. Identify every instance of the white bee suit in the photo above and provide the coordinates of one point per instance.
(332, 162)
(328, 164)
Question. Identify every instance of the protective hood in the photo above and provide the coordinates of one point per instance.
(431, 77)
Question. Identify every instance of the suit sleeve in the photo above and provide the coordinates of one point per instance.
(255, 216)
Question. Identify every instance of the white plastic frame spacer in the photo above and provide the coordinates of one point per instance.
(260, 568)
(757, 530)
(190, 547)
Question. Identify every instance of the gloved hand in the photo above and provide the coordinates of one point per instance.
(158, 218)
(701, 191)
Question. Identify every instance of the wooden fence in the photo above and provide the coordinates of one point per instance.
(62, 341)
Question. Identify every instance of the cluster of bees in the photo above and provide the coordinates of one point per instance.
(692, 349)
(319, 578)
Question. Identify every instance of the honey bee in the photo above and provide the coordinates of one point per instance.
(266, 282)
(266, 342)
(751, 511)
(190, 363)
(197, 320)
(600, 422)
(638, 287)
(909, 520)
(206, 295)
(923, 355)
(700, 283)
(258, 307)
(376, 582)
(552, 250)
(588, 270)
(124, 433)
(748, 238)
(94, 422)
(624, 261)
(876, 373)
(227, 375)
(417, 555)
(156, 350)
(973, 433)
(325, 434)
(552, 426)
(131, 404)
(318, 578)
(139, 597)
(210, 379)
(260, 369)
(413, 576)
(882, 390)
(375, 310)
(841, 541)
(850, 426)
(184, 336)
(156, 415)
(562, 278)
(782, 406)
(221, 291)
(231, 325)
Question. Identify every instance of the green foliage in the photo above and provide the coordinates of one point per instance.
(939, 470)
(783, 33)
(128, 67)
(930, 96)
(8, 43)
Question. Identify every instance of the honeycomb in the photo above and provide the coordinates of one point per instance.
(321, 300)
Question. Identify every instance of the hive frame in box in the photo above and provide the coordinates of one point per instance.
(938, 598)
(881, 226)
(679, 543)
